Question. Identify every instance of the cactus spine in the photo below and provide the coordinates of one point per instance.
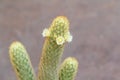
(21, 62)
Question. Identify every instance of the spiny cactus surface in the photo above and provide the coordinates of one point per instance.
(68, 69)
(20, 61)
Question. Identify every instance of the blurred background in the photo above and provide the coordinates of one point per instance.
(94, 24)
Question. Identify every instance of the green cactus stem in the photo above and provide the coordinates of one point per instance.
(56, 36)
(20, 61)
(68, 69)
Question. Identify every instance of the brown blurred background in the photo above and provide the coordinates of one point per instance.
(94, 24)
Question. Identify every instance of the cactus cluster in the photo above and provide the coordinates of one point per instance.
(49, 67)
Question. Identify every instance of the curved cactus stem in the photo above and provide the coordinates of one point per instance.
(68, 69)
(21, 62)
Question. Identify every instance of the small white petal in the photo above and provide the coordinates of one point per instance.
(46, 32)
(69, 39)
(60, 40)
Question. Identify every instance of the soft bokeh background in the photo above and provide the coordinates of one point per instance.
(94, 24)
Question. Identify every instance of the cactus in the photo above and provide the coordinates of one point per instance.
(56, 37)
(68, 69)
(21, 62)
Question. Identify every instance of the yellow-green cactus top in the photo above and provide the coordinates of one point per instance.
(59, 30)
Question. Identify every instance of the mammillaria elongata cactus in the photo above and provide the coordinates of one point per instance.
(56, 37)
(21, 62)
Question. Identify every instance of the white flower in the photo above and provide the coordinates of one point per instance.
(69, 39)
(60, 40)
(46, 32)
